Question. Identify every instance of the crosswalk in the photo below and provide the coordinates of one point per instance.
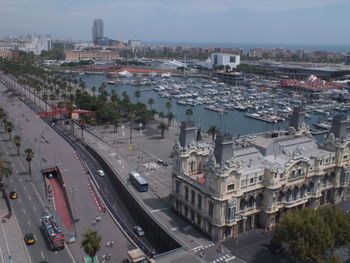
(225, 258)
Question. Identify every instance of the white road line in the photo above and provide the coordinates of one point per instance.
(42, 254)
(229, 259)
(7, 245)
(29, 197)
(24, 187)
(158, 210)
(24, 211)
(20, 179)
(29, 223)
(19, 199)
(34, 208)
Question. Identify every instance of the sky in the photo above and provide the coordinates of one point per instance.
(221, 21)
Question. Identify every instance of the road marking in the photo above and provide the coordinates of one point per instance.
(19, 199)
(20, 179)
(42, 254)
(229, 259)
(24, 187)
(158, 210)
(24, 211)
(29, 197)
(29, 223)
(34, 208)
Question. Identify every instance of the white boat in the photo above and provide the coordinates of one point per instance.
(125, 73)
(165, 75)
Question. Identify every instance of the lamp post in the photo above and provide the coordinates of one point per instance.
(243, 218)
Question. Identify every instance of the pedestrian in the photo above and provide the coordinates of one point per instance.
(112, 243)
(109, 255)
(93, 222)
(108, 244)
(98, 219)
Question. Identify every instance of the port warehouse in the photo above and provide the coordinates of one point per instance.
(159, 235)
(303, 71)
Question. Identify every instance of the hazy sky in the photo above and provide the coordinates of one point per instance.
(247, 21)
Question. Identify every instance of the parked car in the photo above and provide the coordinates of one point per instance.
(139, 231)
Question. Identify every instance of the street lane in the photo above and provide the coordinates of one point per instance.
(28, 218)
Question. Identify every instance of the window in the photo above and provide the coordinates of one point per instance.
(243, 183)
(230, 213)
(299, 172)
(231, 187)
(193, 197)
(210, 228)
(333, 159)
(199, 201)
(293, 173)
(260, 178)
(345, 157)
(177, 187)
(186, 211)
(281, 175)
(232, 59)
(252, 180)
(211, 209)
(186, 193)
(327, 160)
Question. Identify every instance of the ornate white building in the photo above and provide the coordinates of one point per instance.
(234, 185)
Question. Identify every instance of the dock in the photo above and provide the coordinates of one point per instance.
(260, 118)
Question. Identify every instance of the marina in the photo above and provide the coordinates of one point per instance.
(257, 107)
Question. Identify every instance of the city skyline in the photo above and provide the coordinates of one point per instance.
(299, 22)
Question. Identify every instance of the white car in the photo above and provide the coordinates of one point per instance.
(100, 172)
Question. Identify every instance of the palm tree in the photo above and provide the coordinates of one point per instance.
(137, 95)
(3, 116)
(9, 127)
(91, 243)
(17, 140)
(168, 106)
(161, 116)
(131, 117)
(93, 89)
(170, 117)
(213, 130)
(5, 168)
(29, 155)
(151, 103)
(162, 127)
(189, 113)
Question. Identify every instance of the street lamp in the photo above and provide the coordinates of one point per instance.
(243, 218)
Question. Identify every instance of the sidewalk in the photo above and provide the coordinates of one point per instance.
(11, 240)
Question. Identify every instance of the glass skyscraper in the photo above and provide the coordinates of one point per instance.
(97, 30)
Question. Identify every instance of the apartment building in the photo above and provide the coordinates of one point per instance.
(91, 54)
(233, 185)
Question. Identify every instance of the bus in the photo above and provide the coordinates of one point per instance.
(138, 181)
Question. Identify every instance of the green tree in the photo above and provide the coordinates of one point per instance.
(151, 103)
(93, 89)
(227, 68)
(91, 243)
(212, 131)
(168, 106)
(162, 127)
(9, 127)
(161, 116)
(189, 113)
(131, 118)
(29, 155)
(311, 234)
(137, 95)
(5, 168)
(170, 117)
(17, 140)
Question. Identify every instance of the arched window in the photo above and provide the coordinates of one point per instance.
(242, 204)
(303, 190)
(280, 196)
(310, 187)
(251, 202)
(295, 192)
(288, 195)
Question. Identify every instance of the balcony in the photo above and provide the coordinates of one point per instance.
(292, 203)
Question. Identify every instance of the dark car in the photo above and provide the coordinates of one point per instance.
(29, 239)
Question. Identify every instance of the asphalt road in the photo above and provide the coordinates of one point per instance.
(30, 205)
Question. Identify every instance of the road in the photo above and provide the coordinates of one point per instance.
(30, 205)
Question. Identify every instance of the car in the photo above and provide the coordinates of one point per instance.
(13, 195)
(139, 231)
(100, 172)
(29, 239)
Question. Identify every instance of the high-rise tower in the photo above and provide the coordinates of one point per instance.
(97, 30)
